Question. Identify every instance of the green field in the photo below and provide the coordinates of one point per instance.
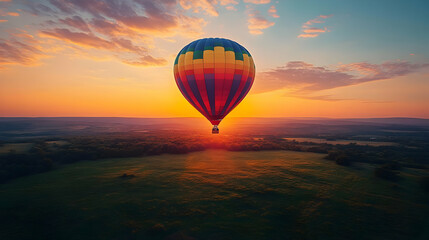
(214, 195)
(15, 147)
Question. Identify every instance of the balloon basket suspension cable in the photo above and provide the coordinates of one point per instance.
(215, 129)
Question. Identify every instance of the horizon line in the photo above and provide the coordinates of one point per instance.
(338, 118)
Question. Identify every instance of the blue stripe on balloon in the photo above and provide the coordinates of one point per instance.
(199, 49)
(237, 50)
(209, 44)
(210, 87)
(193, 84)
(234, 87)
(227, 45)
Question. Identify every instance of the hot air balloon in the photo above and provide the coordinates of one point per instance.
(214, 75)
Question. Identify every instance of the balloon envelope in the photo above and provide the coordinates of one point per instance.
(214, 75)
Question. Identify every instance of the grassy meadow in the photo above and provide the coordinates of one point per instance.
(214, 194)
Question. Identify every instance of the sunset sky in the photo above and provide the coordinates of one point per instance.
(316, 58)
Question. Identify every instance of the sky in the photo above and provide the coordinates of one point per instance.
(106, 58)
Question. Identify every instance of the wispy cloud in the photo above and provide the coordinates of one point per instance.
(257, 1)
(273, 12)
(328, 98)
(231, 8)
(25, 51)
(197, 6)
(256, 22)
(14, 14)
(76, 22)
(309, 31)
(208, 7)
(141, 56)
(228, 2)
(121, 29)
(303, 78)
(142, 16)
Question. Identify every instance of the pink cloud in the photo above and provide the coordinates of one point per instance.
(111, 28)
(306, 78)
(26, 51)
(315, 30)
(76, 22)
(142, 16)
(78, 38)
(228, 2)
(256, 23)
(118, 45)
(197, 6)
(257, 1)
(312, 32)
(114, 27)
(208, 7)
(231, 8)
(147, 61)
(15, 14)
(308, 35)
(273, 12)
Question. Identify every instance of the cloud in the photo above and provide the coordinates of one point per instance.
(331, 98)
(118, 45)
(38, 8)
(124, 29)
(227, 2)
(25, 51)
(231, 8)
(206, 6)
(147, 61)
(76, 22)
(3, 20)
(257, 1)
(256, 22)
(304, 78)
(141, 16)
(308, 35)
(312, 32)
(273, 12)
(78, 38)
(315, 30)
(327, 98)
(111, 28)
(14, 14)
